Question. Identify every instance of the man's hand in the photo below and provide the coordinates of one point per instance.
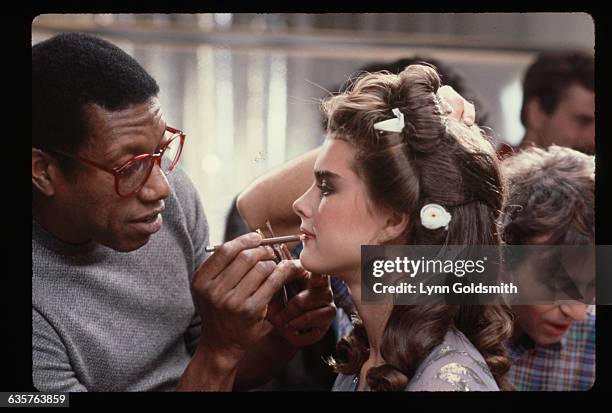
(308, 315)
(233, 288)
(460, 108)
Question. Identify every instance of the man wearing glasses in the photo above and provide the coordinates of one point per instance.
(117, 296)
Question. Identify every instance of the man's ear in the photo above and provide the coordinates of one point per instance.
(44, 172)
(535, 115)
(395, 225)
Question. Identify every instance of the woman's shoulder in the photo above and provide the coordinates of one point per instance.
(453, 365)
(345, 382)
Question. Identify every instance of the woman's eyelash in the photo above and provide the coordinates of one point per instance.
(325, 189)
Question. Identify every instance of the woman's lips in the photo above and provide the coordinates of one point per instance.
(309, 235)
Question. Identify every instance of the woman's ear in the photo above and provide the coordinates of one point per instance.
(42, 176)
(395, 225)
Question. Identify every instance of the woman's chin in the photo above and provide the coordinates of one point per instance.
(311, 262)
(316, 264)
(306, 261)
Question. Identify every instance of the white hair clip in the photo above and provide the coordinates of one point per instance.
(392, 125)
(434, 216)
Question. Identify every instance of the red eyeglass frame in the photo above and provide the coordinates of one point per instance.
(116, 172)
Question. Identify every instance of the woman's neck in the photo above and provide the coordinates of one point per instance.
(374, 318)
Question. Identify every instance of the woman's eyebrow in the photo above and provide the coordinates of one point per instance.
(325, 174)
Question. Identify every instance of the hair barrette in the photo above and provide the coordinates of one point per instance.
(434, 216)
(395, 124)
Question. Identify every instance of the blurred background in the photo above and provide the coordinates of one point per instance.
(246, 87)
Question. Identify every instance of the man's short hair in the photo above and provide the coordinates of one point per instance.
(550, 192)
(72, 70)
(552, 73)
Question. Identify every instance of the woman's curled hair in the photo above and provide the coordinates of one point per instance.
(434, 159)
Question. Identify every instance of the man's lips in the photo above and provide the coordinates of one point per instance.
(558, 327)
(150, 216)
(148, 224)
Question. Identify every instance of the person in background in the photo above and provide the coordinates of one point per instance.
(558, 102)
(550, 201)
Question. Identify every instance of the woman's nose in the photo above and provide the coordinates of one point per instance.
(300, 205)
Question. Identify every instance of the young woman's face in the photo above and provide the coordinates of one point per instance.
(337, 216)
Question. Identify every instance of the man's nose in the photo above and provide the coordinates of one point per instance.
(157, 186)
(576, 311)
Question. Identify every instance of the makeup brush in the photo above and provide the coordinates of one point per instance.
(267, 241)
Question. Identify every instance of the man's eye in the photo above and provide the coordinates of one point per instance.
(584, 120)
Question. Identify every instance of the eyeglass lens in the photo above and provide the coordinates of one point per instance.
(136, 174)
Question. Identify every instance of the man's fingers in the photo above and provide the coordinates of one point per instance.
(244, 261)
(275, 307)
(315, 318)
(284, 272)
(253, 280)
(306, 338)
(455, 102)
(318, 280)
(226, 253)
(250, 261)
(461, 109)
(469, 113)
(299, 271)
(304, 301)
